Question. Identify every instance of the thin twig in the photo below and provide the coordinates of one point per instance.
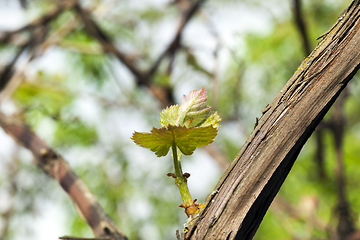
(95, 31)
(300, 24)
(337, 125)
(38, 35)
(53, 12)
(13, 83)
(163, 94)
(175, 43)
(81, 238)
(178, 235)
(7, 72)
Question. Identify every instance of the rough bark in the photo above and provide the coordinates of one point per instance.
(249, 185)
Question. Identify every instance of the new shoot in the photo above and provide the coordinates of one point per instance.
(184, 127)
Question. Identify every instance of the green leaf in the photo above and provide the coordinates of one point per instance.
(168, 116)
(159, 140)
(186, 126)
(212, 119)
(192, 112)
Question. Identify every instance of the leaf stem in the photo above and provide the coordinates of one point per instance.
(177, 164)
(181, 181)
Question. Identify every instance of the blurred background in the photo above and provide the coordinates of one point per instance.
(86, 77)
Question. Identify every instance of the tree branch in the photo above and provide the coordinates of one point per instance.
(55, 166)
(38, 35)
(249, 185)
(300, 23)
(52, 13)
(337, 125)
(7, 72)
(80, 238)
(95, 31)
(175, 43)
(162, 93)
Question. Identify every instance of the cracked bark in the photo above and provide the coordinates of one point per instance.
(249, 185)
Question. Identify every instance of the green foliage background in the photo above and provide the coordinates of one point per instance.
(88, 107)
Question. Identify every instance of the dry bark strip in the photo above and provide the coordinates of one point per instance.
(249, 185)
(55, 166)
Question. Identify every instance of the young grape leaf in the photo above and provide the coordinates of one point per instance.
(159, 140)
(192, 112)
(169, 115)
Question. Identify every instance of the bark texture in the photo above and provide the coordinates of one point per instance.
(249, 185)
